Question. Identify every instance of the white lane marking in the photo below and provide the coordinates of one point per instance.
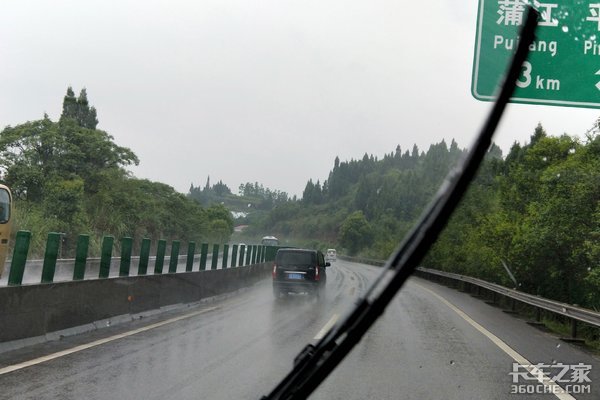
(556, 389)
(327, 327)
(49, 357)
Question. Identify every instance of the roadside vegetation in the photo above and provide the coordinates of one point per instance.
(537, 210)
(70, 177)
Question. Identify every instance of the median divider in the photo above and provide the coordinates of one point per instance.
(31, 311)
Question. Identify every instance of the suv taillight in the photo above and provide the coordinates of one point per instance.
(317, 273)
(274, 274)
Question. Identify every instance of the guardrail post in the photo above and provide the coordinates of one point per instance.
(81, 253)
(106, 256)
(144, 256)
(249, 254)
(215, 257)
(174, 256)
(242, 254)
(492, 301)
(161, 248)
(225, 256)
(234, 253)
(203, 256)
(50, 257)
(254, 250)
(513, 307)
(126, 247)
(17, 266)
(189, 262)
(573, 328)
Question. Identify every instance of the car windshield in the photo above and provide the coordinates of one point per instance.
(161, 160)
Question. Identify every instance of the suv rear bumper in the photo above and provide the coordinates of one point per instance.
(296, 287)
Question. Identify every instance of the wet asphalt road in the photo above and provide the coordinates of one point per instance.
(240, 346)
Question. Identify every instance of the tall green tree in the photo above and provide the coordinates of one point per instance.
(355, 232)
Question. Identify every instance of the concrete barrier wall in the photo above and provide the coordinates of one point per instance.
(36, 310)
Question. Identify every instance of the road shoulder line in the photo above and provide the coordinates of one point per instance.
(535, 372)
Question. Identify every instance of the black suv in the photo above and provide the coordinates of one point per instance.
(299, 271)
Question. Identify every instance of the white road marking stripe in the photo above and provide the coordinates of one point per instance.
(539, 375)
(327, 327)
(49, 357)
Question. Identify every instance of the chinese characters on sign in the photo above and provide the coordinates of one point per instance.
(563, 67)
(551, 378)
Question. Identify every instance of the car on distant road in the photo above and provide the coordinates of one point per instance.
(299, 271)
(331, 255)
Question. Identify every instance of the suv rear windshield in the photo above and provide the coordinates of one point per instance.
(295, 258)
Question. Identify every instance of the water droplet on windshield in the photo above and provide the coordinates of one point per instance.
(565, 28)
(558, 346)
(452, 362)
(107, 323)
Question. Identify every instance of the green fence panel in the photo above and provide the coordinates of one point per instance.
(161, 248)
(81, 253)
(17, 266)
(248, 254)
(174, 256)
(234, 253)
(242, 254)
(50, 256)
(144, 256)
(189, 262)
(259, 254)
(254, 250)
(126, 249)
(106, 256)
(215, 257)
(225, 256)
(203, 256)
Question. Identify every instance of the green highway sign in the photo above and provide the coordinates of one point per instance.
(563, 67)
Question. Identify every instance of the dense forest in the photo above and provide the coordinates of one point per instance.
(70, 177)
(365, 205)
(537, 210)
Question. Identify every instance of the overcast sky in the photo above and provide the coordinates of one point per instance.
(269, 91)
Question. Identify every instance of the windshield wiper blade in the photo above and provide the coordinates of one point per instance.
(316, 362)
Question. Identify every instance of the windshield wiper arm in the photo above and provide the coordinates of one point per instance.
(316, 362)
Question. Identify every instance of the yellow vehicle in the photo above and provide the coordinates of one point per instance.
(5, 223)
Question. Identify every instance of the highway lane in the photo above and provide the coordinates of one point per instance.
(240, 346)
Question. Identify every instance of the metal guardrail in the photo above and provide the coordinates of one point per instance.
(574, 313)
